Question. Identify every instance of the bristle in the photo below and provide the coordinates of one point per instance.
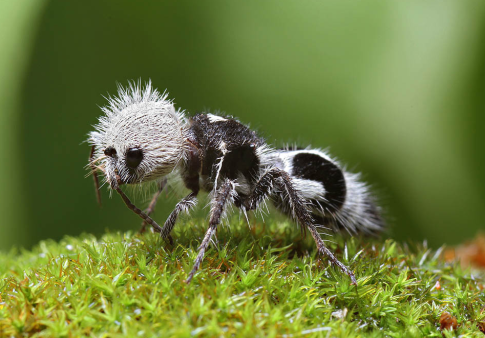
(95, 176)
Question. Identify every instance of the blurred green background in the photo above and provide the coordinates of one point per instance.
(395, 89)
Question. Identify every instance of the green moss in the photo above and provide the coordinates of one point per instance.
(264, 282)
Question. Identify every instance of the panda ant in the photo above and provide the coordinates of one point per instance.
(142, 138)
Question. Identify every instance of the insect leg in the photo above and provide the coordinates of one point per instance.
(153, 203)
(133, 208)
(299, 211)
(184, 205)
(276, 177)
(223, 195)
(325, 251)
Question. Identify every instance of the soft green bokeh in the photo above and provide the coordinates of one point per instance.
(395, 89)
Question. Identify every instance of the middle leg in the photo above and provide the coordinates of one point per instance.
(153, 203)
(187, 203)
(224, 194)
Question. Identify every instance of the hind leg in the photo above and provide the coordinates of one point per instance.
(296, 206)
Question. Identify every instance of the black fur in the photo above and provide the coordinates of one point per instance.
(319, 169)
(229, 140)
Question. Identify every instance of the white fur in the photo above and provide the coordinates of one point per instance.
(354, 214)
(139, 118)
(309, 189)
(215, 118)
(220, 161)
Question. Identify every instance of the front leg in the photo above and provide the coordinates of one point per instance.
(153, 203)
(133, 207)
(299, 210)
(185, 205)
(224, 194)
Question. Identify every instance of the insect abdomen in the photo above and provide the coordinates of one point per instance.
(313, 167)
(336, 198)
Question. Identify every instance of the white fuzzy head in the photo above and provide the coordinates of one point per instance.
(141, 136)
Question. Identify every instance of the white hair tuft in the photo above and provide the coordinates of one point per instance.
(133, 120)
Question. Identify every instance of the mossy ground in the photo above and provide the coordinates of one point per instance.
(266, 282)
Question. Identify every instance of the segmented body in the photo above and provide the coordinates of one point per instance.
(142, 138)
(224, 148)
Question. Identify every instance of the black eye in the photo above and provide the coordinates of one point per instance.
(133, 157)
(110, 151)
